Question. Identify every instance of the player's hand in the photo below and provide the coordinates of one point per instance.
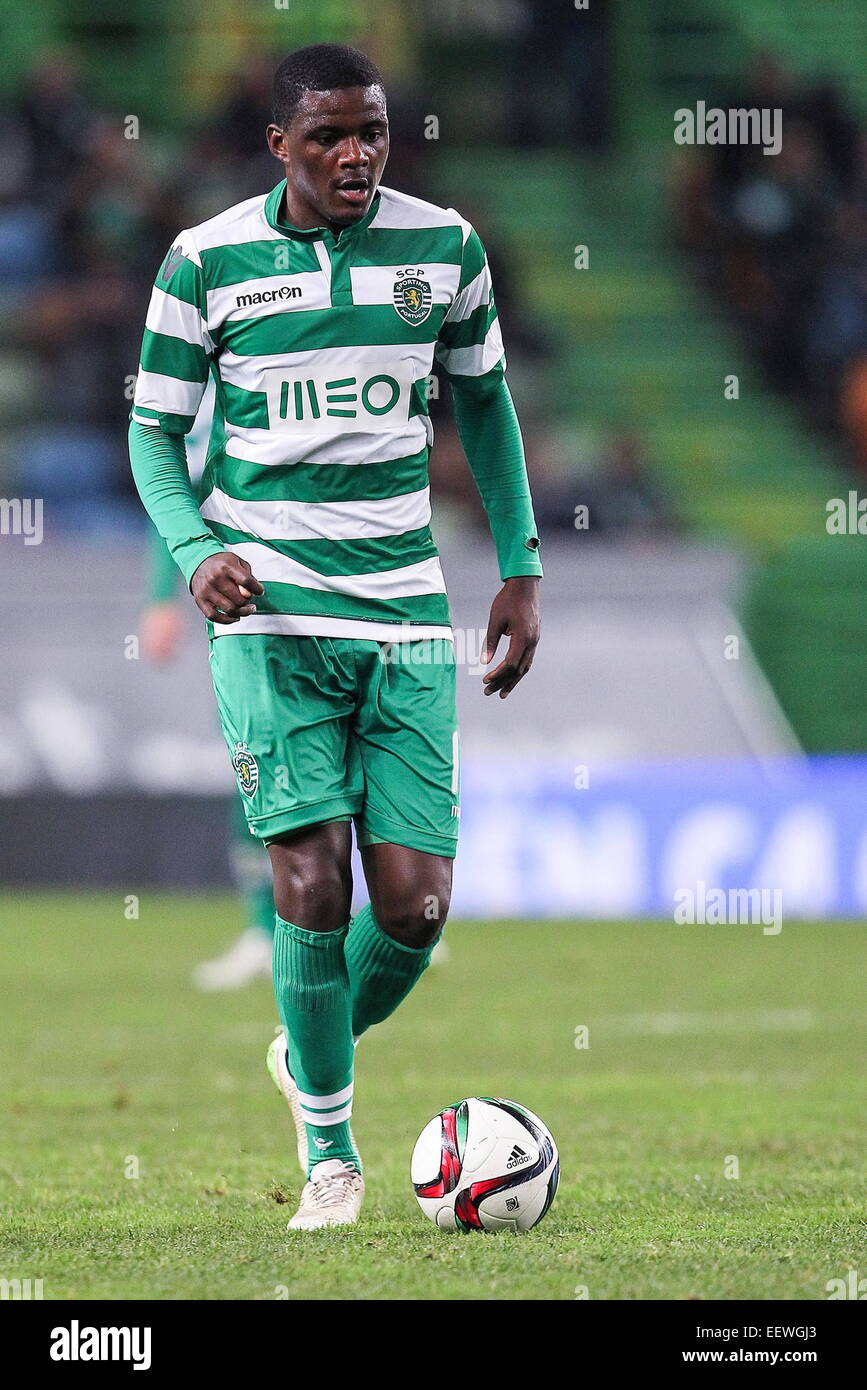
(223, 586)
(514, 614)
(161, 628)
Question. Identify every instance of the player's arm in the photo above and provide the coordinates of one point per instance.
(491, 437)
(173, 371)
(470, 349)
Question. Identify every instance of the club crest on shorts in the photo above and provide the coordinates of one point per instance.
(247, 768)
(412, 296)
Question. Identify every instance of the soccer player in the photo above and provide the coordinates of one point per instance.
(320, 309)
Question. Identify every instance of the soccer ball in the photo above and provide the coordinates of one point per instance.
(485, 1165)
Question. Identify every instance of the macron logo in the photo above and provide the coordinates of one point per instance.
(268, 296)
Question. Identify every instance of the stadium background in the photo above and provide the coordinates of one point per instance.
(647, 752)
(703, 632)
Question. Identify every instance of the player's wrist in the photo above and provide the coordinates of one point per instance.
(195, 561)
(522, 581)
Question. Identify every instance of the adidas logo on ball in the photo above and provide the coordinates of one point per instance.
(517, 1157)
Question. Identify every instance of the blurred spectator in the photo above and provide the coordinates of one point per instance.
(783, 240)
(778, 216)
(55, 118)
(616, 484)
(558, 88)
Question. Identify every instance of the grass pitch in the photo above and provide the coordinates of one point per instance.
(144, 1153)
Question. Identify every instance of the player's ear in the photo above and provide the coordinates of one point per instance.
(276, 138)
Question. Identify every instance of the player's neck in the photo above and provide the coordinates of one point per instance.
(304, 219)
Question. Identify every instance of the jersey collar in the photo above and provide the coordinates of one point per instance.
(272, 217)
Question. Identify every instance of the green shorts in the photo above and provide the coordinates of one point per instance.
(323, 729)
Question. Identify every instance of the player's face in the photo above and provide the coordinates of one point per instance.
(333, 154)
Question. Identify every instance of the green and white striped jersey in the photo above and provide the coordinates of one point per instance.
(321, 348)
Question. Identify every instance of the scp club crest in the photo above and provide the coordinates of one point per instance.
(412, 296)
(247, 770)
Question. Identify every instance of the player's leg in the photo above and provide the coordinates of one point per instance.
(406, 731)
(285, 705)
(392, 938)
(312, 893)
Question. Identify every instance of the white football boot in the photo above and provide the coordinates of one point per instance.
(246, 960)
(281, 1076)
(332, 1197)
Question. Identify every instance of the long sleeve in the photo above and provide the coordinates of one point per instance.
(491, 436)
(159, 467)
(470, 351)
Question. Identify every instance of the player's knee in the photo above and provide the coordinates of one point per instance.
(312, 892)
(416, 917)
(313, 877)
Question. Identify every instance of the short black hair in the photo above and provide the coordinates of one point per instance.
(320, 67)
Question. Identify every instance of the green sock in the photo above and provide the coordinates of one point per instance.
(381, 970)
(312, 989)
